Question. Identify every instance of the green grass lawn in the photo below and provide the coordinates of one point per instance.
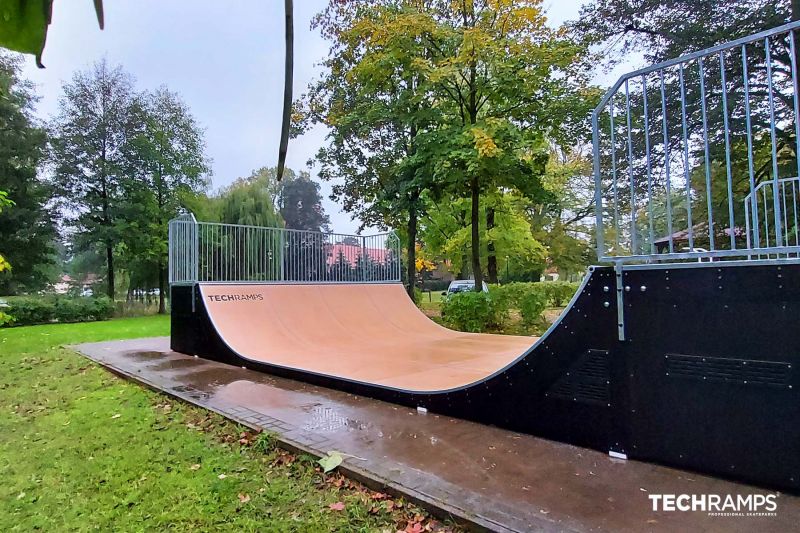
(81, 449)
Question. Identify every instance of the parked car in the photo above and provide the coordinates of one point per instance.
(463, 285)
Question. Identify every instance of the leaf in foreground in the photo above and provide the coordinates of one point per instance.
(330, 461)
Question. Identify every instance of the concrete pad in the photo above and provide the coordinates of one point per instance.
(488, 477)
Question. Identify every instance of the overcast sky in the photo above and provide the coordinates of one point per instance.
(224, 58)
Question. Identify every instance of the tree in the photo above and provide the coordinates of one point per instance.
(663, 30)
(89, 139)
(501, 72)
(562, 219)
(26, 232)
(440, 96)
(300, 203)
(372, 99)
(164, 160)
(447, 233)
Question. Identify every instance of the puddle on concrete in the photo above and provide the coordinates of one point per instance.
(145, 356)
(177, 364)
(329, 420)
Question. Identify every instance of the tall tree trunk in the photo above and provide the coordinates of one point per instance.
(411, 272)
(110, 271)
(476, 234)
(162, 288)
(464, 272)
(491, 262)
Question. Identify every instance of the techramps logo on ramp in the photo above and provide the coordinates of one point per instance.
(234, 297)
(744, 505)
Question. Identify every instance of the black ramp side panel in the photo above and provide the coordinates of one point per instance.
(712, 354)
(705, 379)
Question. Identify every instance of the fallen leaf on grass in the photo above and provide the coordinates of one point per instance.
(194, 467)
(244, 498)
(413, 527)
(330, 461)
(338, 506)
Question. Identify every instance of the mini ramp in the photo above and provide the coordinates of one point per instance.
(683, 351)
(689, 386)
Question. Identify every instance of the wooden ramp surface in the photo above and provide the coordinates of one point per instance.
(371, 333)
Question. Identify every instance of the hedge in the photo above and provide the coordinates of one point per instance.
(473, 311)
(29, 310)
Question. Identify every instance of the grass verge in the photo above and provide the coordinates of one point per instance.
(81, 449)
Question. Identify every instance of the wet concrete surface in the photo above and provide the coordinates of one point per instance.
(491, 477)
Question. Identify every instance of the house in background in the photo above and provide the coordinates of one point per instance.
(85, 286)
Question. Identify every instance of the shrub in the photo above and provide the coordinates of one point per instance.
(28, 310)
(511, 293)
(473, 311)
(532, 304)
(559, 292)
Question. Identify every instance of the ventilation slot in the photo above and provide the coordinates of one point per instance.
(719, 369)
(586, 381)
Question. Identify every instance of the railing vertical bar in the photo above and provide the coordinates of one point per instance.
(598, 188)
(686, 160)
(796, 104)
(706, 154)
(775, 176)
(630, 167)
(666, 160)
(794, 211)
(785, 235)
(614, 176)
(747, 214)
(766, 217)
(731, 217)
(751, 172)
(651, 225)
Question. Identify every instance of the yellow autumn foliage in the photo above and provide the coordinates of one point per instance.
(484, 143)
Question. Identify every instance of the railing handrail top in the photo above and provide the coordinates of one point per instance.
(770, 182)
(181, 219)
(689, 57)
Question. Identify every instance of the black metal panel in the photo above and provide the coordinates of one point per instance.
(712, 353)
(682, 325)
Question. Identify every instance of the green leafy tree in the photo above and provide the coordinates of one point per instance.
(250, 201)
(373, 100)
(501, 73)
(89, 141)
(164, 161)
(563, 219)
(300, 203)
(440, 96)
(447, 233)
(26, 232)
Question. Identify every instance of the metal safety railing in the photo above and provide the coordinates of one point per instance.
(697, 157)
(760, 211)
(229, 253)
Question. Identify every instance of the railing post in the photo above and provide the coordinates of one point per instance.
(282, 233)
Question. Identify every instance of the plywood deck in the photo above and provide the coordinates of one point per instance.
(370, 333)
